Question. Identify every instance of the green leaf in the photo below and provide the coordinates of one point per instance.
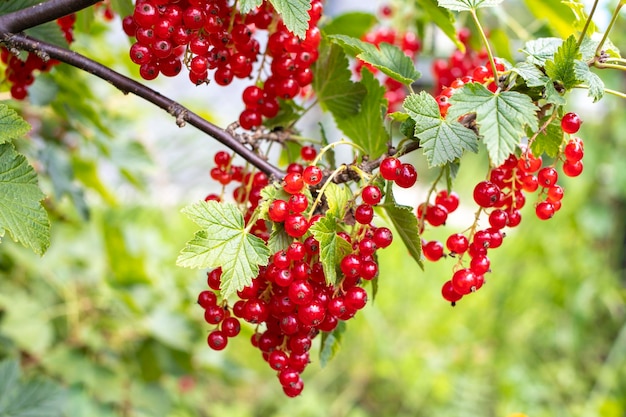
(223, 242)
(295, 15)
(21, 212)
(561, 68)
(500, 117)
(354, 24)
(50, 32)
(443, 18)
(461, 5)
(552, 96)
(584, 74)
(590, 44)
(387, 58)
(332, 247)
(531, 74)
(405, 223)
(540, 50)
(11, 124)
(245, 6)
(332, 82)
(443, 140)
(288, 114)
(578, 8)
(279, 239)
(331, 342)
(34, 398)
(15, 5)
(549, 141)
(556, 15)
(367, 128)
(337, 198)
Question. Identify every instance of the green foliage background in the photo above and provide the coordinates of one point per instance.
(108, 318)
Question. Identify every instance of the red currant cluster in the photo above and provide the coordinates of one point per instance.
(407, 41)
(501, 197)
(211, 35)
(460, 64)
(21, 73)
(290, 301)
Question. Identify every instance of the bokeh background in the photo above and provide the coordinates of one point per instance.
(107, 315)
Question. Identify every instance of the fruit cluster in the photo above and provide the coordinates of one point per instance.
(211, 35)
(291, 301)
(501, 197)
(21, 73)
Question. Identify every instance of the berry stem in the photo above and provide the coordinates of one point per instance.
(323, 189)
(540, 130)
(485, 41)
(608, 29)
(602, 65)
(587, 23)
(128, 85)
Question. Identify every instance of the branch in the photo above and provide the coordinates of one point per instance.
(41, 13)
(127, 85)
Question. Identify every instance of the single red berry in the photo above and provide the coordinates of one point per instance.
(570, 123)
(448, 200)
(407, 176)
(298, 202)
(207, 299)
(312, 175)
(382, 237)
(464, 281)
(449, 294)
(390, 168)
(436, 215)
(486, 194)
(480, 265)
(356, 298)
(364, 214)
(371, 195)
(498, 219)
(547, 177)
(308, 153)
(572, 169)
(230, 327)
(293, 183)
(574, 150)
(555, 193)
(296, 225)
(278, 211)
(351, 266)
(457, 243)
(545, 210)
(217, 340)
(433, 250)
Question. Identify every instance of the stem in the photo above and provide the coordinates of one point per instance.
(422, 218)
(483, 37)
(608, 29)
(127, 85)
(606, 90)
(587, 23)
(41, 13)
(323, 189)
(332, 146)
(602, 65)
(540, 130)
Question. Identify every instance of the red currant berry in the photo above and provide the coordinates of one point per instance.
(312, 175)
(407, 176)
(574, 150)
(278, 211)
(355, 298)
(486, 194)
(364, 214)
(570, 123)
(351, 266)
(390, 168)
(464, 281)
(293, 183)
(544, 210)
(298, 202)
(449, 201)
(371, 195)
(572, 169)
(296, 225)
(449, 294)
(217, 340)
(308, 153)
(433, 250)
(382, 237)
(457, 243)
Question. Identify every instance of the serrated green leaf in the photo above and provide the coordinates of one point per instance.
(332, 82)
(337, 198)
(12, 126)
(561, 68)
(15, 5)
(34, 398)
(331, 342)
(332, 247)
(367, 128)
(501, 117)
(407, 128)
(540, 50)
(295, 15)
(464, 5)
(590, 44)
(584, 74)
(443, 18)
(391, 61)
(552, 95)
(223, 242)
(279, 239)
(405, 223)
(443, 140)
(354, 24)
(50, 32)
(549, 141)
(531, 74)
(21, 212)
(388, 58)
(245, 6)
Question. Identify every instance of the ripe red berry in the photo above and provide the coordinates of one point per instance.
(572, 169)
(278, 210)
(308, 153)
(296, 225)
(547, 177)
(407, 176)
(217, 340)
(293, 183)
(371, 195)
(464, 281)
(449, 294)
(574, 150)
(486, 194)
(312, 175)
(544, 210)
(364, 214)
(390, 168)
(457, 243)
(382, 237)
(433, 250)
(570, 123)
(448, 200)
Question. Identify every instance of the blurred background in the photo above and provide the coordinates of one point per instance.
(108, 316)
